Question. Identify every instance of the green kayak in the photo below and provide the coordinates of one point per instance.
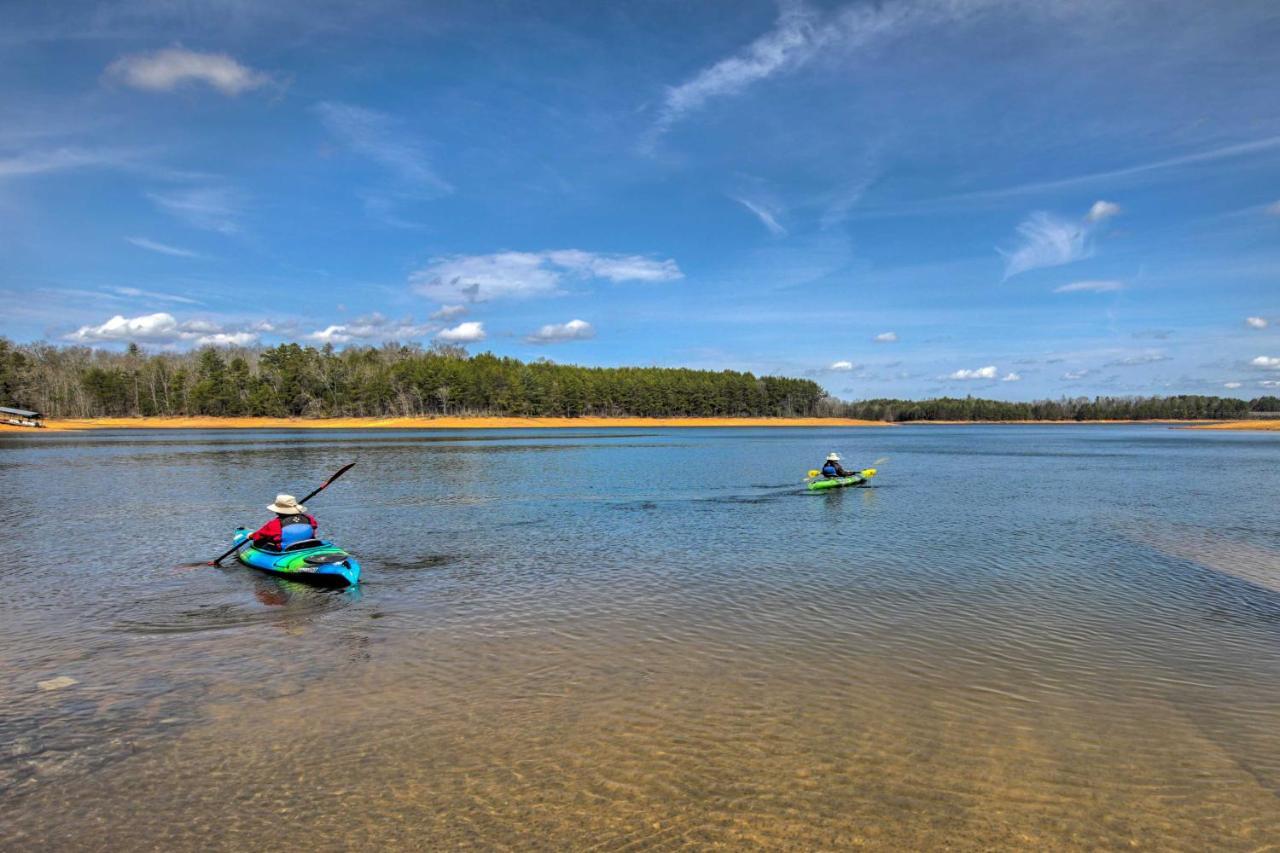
(840, 482)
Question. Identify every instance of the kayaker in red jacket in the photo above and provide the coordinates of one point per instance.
(290, 525)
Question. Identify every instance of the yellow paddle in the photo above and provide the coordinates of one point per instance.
(865, 473)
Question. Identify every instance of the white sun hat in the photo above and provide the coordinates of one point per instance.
(833, 457)
(286, 505)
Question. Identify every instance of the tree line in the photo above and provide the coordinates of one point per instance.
(389, 381)
(406, 381)
(1179, 407)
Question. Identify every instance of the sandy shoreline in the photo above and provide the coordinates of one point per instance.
(435, 423)
(563, 423)
(1264, 426)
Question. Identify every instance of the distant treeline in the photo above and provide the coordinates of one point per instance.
(1180, 407)
(393, 380)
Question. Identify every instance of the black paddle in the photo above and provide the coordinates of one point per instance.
(344, 469)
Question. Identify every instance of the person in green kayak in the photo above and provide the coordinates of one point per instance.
(832, 467)
(290, 526)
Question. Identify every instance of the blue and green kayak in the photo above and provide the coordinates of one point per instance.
(856, 479)
(312, 561)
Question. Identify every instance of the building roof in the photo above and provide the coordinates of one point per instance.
(22, 413)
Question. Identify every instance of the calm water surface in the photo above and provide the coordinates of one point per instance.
(1035, 637)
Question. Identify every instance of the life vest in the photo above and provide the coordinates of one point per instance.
(829, 470)
(294, 529)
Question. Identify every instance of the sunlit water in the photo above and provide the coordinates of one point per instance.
(1037, 637)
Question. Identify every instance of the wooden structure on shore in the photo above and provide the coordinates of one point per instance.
(20, 417)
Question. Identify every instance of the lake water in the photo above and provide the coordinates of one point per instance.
(1021, 636)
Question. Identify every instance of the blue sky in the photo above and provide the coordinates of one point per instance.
(1008, 199)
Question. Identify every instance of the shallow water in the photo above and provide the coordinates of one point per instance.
(1021, 636)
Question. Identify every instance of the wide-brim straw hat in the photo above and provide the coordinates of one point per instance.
(833, 457)
(286, 505)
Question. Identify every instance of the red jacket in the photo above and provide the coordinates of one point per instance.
(269, 533)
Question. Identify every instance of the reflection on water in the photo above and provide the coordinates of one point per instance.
(1020, 637)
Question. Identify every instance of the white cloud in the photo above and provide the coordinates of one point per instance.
(841, 365)
(1256, 322)
(227, 339)
(166, 70)
(448, 312)
(162, 328)
(209, 208)
(162, 248)
(1267, 362)
(1102, 210)
(574, 330)
(1270, 383)
(988, 372)
(1046, 242)
(1232, 385)
(1011, 377)
(149, 327)
(887, 338)
(379, 137)
(1072, 375)
(768, 218)
(463, 333)
(1091, 286)
(371, 327)
(518, 275)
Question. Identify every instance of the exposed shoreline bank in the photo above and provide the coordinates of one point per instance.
(435, 423)
(1260, 425)
(480, 422)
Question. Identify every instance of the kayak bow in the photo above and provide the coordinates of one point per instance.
(312, 561)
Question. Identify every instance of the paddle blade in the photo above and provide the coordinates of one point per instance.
(868, 473)
(814, 473)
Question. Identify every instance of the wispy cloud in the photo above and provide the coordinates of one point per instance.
(1091, 286)
(1232, 385)
(162, 248)
(1274, 208)
(463, 333)
(1111, 176)
(38, 162)
(1266, 362)
(138, 293)
(517, 275)
(1256, 322)
(988, 372)
(1011, 377)
(168, 69)
(768, 218)
(382, 139)
(886, 338)
(209, 208)
(841, 365)
(554, 333)
(1138, 360)
(800, 34)
(1048, 241)
(1074, 375)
